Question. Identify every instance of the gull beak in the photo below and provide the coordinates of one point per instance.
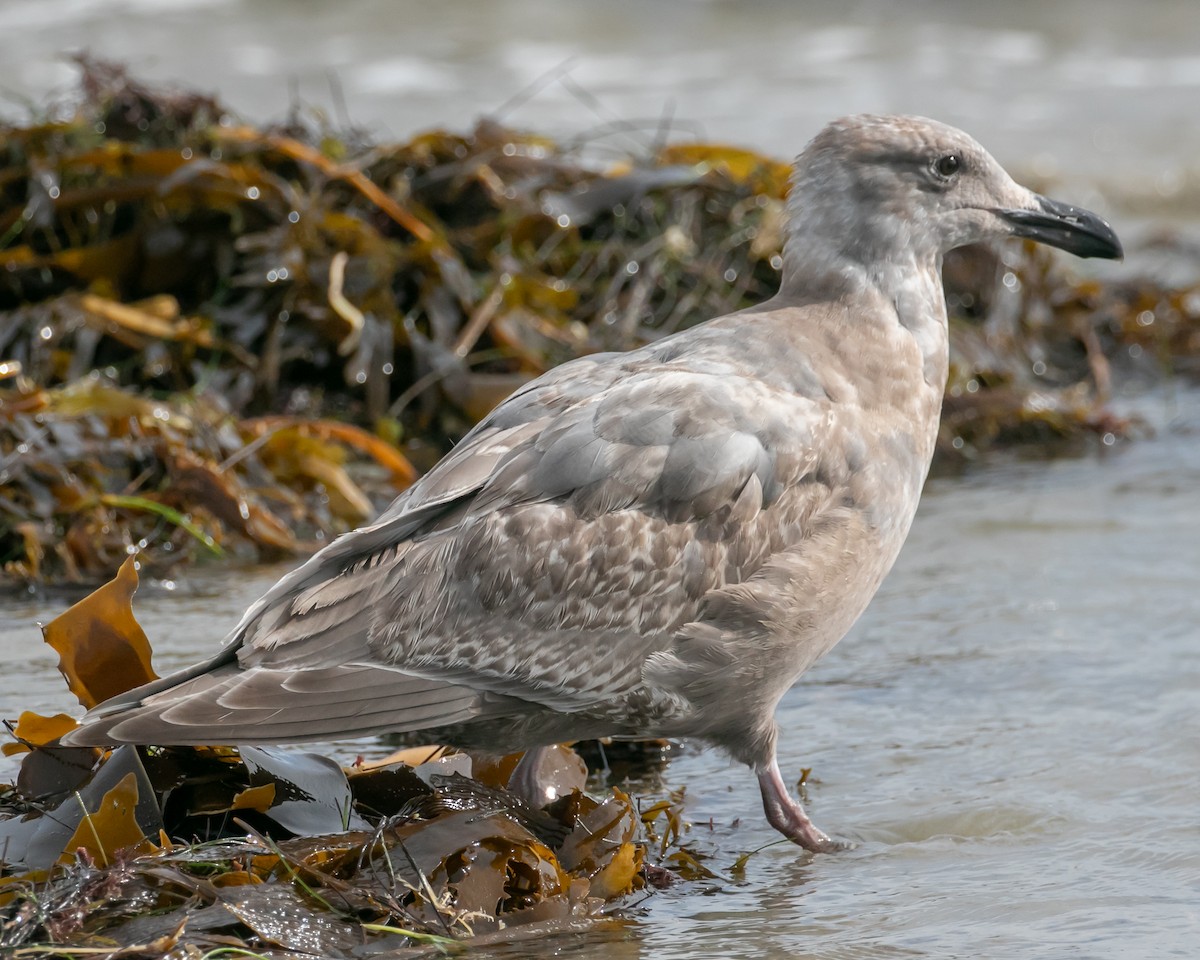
(1069, 228)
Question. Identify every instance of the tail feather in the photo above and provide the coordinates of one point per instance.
(232, 705)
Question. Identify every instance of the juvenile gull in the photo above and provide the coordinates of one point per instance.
(655, 543)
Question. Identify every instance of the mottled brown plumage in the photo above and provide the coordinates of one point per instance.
(655, 543)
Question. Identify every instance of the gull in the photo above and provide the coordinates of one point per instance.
(655, 543)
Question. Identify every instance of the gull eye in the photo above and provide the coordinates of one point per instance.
(947, 166)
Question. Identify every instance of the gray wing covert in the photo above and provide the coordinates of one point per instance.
(454, 480)
(567, 536)
(598, 536)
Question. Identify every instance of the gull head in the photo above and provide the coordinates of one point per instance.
(872, 189)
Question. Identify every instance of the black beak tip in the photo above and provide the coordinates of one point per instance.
(1117, 252)
(1090, 236)
(1104, 246)
(1073, 229)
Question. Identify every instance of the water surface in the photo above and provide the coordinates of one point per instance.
(1092, 91)
(1011, 735)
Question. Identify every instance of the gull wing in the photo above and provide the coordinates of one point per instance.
(567, 538)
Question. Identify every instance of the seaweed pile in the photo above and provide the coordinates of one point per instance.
(176, 851)
(221, 338)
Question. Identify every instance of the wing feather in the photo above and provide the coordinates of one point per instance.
(567, 539)
(231, 705)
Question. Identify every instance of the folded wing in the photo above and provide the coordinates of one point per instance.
(537, 566)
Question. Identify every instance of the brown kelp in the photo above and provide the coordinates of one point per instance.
(223, 338)
(158, 851)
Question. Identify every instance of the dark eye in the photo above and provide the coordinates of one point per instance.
(947, 166)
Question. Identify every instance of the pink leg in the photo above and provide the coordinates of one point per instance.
(787, 816)
(524, 779)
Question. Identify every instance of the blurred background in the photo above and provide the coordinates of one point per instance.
(1010, 734)
(1102, 92)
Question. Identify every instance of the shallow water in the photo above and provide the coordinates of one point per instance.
(1011, 735)
(1098, 90)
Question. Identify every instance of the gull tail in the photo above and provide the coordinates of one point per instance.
(222, 703)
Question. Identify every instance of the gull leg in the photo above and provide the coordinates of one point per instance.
(786, 814)
(524, 779)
